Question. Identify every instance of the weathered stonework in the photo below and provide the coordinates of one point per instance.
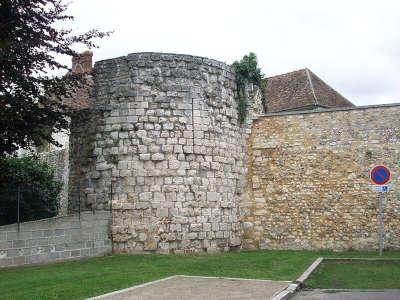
(59, 160)
(164, 151)
(160, 146)
(308, 184)
(81, 149)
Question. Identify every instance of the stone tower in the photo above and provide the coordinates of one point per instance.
(161, 146)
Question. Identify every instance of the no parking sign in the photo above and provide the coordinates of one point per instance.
(380, 175)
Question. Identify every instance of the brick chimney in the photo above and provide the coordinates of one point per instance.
(82, 64)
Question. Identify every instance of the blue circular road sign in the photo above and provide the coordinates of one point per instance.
(380, 175)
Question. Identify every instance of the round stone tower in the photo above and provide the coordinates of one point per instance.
(161, 146)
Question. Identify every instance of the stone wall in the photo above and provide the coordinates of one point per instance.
(82, 158)
(55, 239)
(164, 150)
(308, 184)
(59, 160)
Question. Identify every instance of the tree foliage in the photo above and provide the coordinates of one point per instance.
(34, 181)
(246, 72)
(30, 99)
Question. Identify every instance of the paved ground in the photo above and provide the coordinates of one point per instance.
(347, 295)
(196, 288)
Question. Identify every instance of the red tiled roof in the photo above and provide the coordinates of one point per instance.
(301, 89)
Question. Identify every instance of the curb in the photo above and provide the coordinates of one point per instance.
(299, 283)
(287, 292)
(355, 290)
(357, 259)
(115, 293)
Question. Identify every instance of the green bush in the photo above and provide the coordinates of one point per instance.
(247, 71)
(33, 180)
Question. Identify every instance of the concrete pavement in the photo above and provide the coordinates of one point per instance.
(199, 288)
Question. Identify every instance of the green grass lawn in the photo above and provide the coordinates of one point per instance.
(95, 276)
(355, 275)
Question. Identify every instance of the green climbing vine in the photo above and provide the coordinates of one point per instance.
(247, 71)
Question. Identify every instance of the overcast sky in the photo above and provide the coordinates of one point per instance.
(352, 45)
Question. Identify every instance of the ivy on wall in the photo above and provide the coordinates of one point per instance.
(247, 72)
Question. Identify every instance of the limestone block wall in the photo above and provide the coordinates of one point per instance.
(55, 239)
(81, 161)
(59, 160)
(308, 179)
(164, 150)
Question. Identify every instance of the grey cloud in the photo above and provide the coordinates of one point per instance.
(352, 45)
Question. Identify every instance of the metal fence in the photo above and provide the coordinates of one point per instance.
(22, 203)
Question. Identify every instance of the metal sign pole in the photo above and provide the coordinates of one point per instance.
(381, 228)
(380, 175)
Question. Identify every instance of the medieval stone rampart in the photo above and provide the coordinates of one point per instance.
(308, 179)
(161, 147)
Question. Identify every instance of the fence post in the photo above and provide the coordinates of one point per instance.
(111, 194)
(79, 200)
(18, 206)
(112, 218)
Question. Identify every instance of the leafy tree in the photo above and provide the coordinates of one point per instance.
(29, 43)
(34, 181)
